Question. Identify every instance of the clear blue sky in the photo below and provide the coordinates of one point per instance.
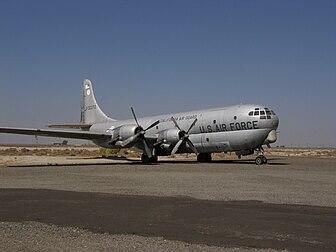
(170, 56)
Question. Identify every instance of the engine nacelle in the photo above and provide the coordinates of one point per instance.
(170, 136)
(124, 131)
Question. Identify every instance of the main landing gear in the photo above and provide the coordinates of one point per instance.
(204, 157)
(261, 159)
(148, 160)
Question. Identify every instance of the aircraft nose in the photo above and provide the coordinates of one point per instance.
(271, 137)
(275, 121)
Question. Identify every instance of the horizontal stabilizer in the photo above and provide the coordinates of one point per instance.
(56, 133)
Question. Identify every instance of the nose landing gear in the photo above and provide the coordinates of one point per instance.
(261, 159)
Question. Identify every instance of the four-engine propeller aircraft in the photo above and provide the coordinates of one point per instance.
(242, 129)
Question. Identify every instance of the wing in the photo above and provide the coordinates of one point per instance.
(56, 133)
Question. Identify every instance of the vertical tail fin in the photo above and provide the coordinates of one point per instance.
(90, 111)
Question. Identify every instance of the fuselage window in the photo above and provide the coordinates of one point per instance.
(268, 117)
(256, 113)
(251, 113)
(214, 121)
(262, 112)
(272, 112)
(207, 139)
(256, 109)
(235, 117)
(263, 117)
(268, 112)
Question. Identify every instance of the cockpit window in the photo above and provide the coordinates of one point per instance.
(264, 114)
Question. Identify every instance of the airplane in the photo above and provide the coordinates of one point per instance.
(242, 129)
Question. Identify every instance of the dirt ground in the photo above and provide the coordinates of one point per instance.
(118, 204)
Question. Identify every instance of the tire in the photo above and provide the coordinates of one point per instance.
(145, 159)
(153, 159)
(208, 158)
(204, 157)
(259, 160)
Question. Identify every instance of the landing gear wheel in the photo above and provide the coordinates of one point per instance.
(204, 157)
(144, 159)
(147, 160)
(259, 160)
(153, 159)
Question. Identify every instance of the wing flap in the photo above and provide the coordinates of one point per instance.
(56, 133)
(70, 126)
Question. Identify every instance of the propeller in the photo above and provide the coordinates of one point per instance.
(140, 135)
(184, 137)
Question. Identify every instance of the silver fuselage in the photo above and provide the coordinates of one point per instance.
(234, 128)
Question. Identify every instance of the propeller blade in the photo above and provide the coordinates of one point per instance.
(114, 140)
(158, 143)
(135, 117)
(152, 125)
(147, 150)
(185, 137)
(176, 147)
(130, 140)
(191, 145)
(192, 125)
(141, 135)
(174, 121)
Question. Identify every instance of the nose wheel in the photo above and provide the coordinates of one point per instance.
(261, 159)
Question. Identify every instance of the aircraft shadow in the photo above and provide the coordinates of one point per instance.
(121, 158)
(271, 161)
(129, 162)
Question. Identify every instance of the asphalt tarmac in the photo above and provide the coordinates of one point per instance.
(289, 204)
